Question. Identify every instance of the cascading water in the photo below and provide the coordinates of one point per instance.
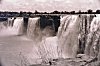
(18, 26)
(46, 42)
(13, 46)
(6, 25)
(76, 34)
(2, 26)
(33, 29)
(93, 38)
(85, 21)
(68, 36)
(10, 22)
(48, 49)
(14, 26)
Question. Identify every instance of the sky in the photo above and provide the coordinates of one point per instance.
(49, 5)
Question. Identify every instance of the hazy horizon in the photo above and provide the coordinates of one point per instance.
(48, 5)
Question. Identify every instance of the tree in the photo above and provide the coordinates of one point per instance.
(98, 11)
(56, 12)
(36, 12)
(90, 11)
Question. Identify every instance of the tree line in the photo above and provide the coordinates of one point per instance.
(21, 13)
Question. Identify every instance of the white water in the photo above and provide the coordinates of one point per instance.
(46, 45)
(10, 22)
(18, 26)
(13, 48)
(7, 27)
(41, 45)
(68, 36)
(33, 30)
(95, 24)
(46, 48)
(2, 25)
(93, 40)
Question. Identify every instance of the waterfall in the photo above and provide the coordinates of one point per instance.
(7, 24)
(48, 49)
(35, 32)
(18, 26)
(33, 29)
(68, 36)
(85, 21)
(3, 25)
(13, 26)
(93, 38)
(10, 22)
(77, 34)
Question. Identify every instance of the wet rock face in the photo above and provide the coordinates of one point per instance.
(25, 20)
(53, 21)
